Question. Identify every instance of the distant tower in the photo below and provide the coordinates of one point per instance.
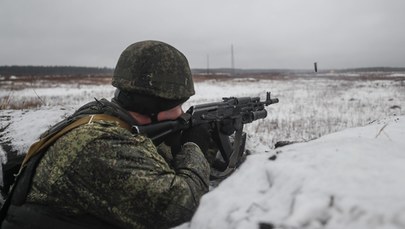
(208, 64)
(232, 61)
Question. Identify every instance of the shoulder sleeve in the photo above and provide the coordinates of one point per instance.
(124, 179)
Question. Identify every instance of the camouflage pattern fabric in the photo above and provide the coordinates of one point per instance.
(103, 170)
(154, 68)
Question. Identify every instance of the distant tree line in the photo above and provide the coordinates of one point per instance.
(236, 71)
(373, 69)
(74, 70)
(52, 70)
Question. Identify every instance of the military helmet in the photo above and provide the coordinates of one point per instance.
(152, 76)
(154, 68)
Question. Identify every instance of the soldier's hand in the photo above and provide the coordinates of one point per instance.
(199, 135)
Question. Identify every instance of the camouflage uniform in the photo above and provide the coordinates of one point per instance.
(100, 172)
(104, 170)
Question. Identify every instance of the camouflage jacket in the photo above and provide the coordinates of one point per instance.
(103, 170)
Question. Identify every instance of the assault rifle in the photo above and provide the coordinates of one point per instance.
(232, 111)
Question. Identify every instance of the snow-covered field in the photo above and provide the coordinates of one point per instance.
(352, 178)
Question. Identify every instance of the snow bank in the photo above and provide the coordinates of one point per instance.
(350, 179)
(23, 127)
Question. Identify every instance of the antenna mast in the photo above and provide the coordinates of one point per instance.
(208, 64)
(232, 61)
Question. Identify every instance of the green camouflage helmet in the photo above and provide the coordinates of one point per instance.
(154, 68)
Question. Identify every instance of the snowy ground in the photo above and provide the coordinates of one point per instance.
(351, 178)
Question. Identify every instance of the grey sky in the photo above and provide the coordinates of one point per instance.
(264, 33)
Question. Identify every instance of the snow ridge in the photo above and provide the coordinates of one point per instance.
(349, 179)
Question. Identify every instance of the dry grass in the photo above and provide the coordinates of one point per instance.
(14, 84)
(310, 105)
(21, 82)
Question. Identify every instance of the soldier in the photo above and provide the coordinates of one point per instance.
(100, 175)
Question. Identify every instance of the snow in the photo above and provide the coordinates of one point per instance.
(350, 179)
(27, 125)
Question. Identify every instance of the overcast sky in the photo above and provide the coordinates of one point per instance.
(264, 33)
